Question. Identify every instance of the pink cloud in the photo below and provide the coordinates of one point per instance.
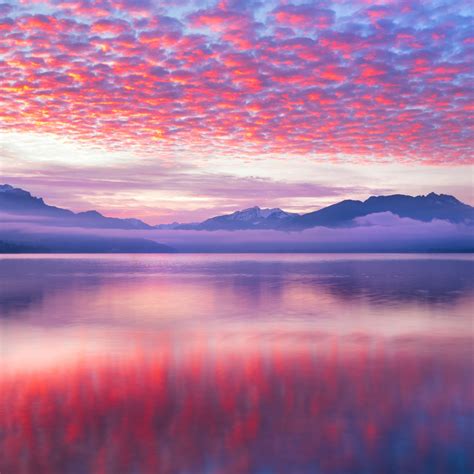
(238, 79)
(305, 16)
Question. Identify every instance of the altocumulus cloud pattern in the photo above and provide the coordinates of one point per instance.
(358, 79)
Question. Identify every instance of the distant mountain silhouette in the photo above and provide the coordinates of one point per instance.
(421, 208)
(18, 201)
(29, 225)
(343, 214)
(252, 218)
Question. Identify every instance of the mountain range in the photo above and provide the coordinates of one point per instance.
(21, 213)
(342, 214)
(18, 201)
(396, 223)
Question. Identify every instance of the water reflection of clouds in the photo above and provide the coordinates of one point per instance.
(334, 406)
(227, 364)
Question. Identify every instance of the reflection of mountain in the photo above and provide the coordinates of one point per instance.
(199, 406)
(30, 284)
(395, 281)
(20, 294)
(191, 287)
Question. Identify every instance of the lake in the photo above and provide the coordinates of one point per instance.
(236, 364)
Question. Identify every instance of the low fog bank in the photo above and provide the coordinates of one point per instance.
(36, 234)
(382, 232)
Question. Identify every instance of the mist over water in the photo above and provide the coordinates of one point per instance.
(236, 363)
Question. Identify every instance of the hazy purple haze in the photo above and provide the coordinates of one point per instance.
(377, 232)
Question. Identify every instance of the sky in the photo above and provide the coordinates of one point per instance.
(178, 110)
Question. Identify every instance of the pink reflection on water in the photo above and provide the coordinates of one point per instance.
(236, 364)
(291, 403)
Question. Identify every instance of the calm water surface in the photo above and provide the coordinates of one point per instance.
(236, 364)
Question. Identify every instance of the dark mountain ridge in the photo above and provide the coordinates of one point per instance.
(18, 201)
(421, 208)
(252, 218)
(342, 214)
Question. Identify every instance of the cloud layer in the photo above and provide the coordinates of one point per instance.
(369, 80)
(383, 232)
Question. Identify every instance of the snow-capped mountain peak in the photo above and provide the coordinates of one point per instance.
(257, 213)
